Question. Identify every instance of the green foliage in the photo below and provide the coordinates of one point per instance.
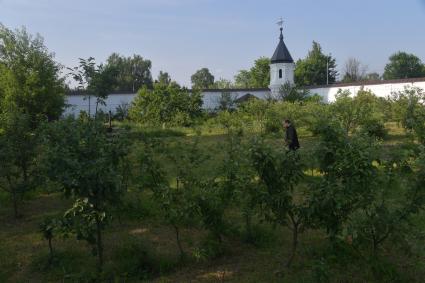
(403, 65)
(280, 172)
(164, 104)
(312, 70)
(177, 203)
(122, 111)
(223, 84)
(18, 152)
(164, 78)
(255, 112)
(202, 79)
(260, 73)
(131, 73)
(352, 112)
(290, 93)
(85, 162)
(243, 79)
(226, 101)
(52, 227)
(409, 110)
(98, 81)
(392, 202)
(374, 128)
(349, 176)
(256, 77)
(134, 259)
(239, 184)
(29, 76)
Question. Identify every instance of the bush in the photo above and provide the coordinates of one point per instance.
(138, 260)
(375, 128)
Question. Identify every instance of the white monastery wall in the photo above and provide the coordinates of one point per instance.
(79, 102)
(380, 90)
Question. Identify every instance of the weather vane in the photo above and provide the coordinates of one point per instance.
(280, 22)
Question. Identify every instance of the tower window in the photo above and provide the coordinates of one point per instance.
(280, 73)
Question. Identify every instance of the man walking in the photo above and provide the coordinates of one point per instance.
(291, 137)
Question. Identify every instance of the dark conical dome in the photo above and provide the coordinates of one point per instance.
(281, 54)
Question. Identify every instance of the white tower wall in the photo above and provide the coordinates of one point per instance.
(276, 82)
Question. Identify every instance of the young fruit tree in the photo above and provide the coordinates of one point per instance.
(85, 161)
(176, 203)
(348, 178)
(280, 173)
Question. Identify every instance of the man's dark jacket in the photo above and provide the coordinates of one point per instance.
(292, 138)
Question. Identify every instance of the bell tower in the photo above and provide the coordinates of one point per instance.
(281, 66)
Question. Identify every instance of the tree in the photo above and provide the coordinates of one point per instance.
(258, 76)
(280, 172)
(349, 177)
(132, 72)
(85, 162)
(202, 79)
(177, 203)
(260, 73)
(290, 93)
(352, 112)
(403, 65)
(243, 79)
(223, 84)
(98, 81)
(122, 110)
(397, 197)
(373, 77)
(226, 101)
(164, 78)
(18, 166)
(409, 110)
(312, 70)
(29, 77)
(354, 71)
(166, 104)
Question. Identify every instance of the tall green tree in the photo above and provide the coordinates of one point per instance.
(29, 76)
(404, 65)
(258, 76)
(260, 73)
(132, 72)
(312, 70)
(243, 79)
(202, 79)
(164, 78)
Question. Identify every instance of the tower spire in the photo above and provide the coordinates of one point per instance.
(280, 24)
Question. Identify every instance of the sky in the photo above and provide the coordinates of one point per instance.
(182, 36)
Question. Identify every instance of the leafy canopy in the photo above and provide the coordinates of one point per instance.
(312, 70)
(404, 65)
(29, 77)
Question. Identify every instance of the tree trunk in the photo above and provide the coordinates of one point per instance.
(15, 203)
(248, 225)
(179, 245)
(99, 245)
(294, 244)
(50, 251)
